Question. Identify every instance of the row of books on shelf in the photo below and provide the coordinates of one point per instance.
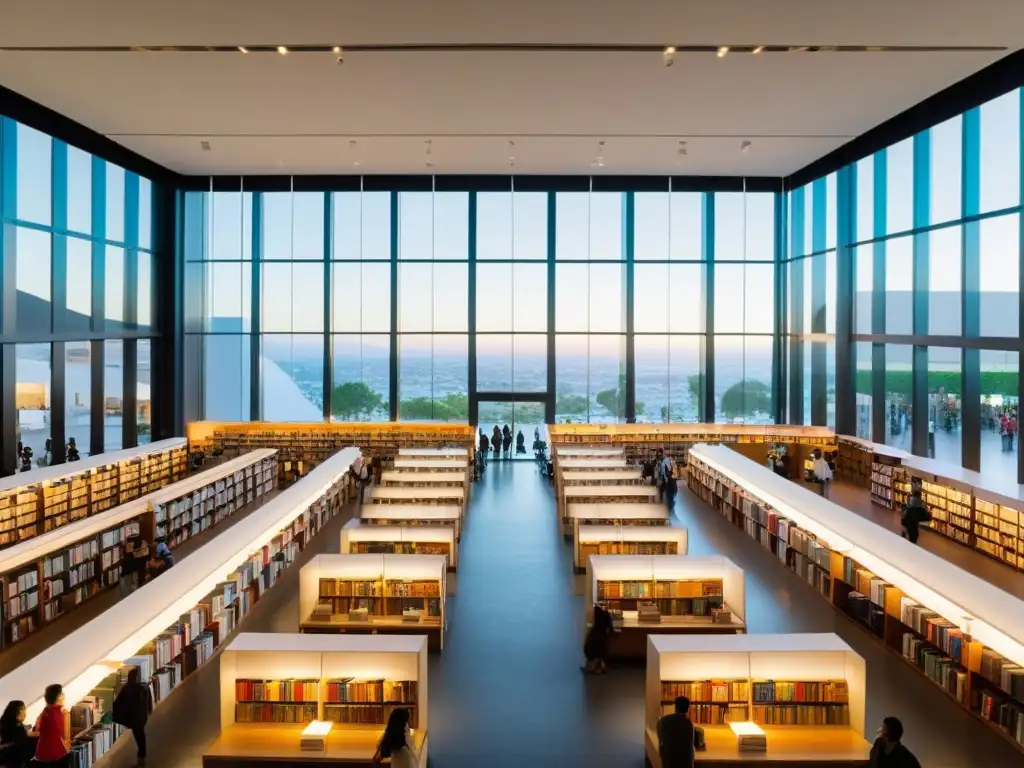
(380, 588)
(947, 673)
(712, 714)
(400, 548)
(1008, 716)
(247, 712)
(56, 564)
(826, 691)
(788, 714)
(277, 690)
(588, 548)
(348, 690)
(706, 690)
(682, 588)
(366, 608)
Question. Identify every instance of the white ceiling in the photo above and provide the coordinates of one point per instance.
(265, 113)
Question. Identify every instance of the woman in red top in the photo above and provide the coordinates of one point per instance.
(52, 748)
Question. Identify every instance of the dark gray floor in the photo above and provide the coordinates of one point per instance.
(508, 690)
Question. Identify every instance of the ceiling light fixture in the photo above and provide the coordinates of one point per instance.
(336, 49)
(757, 50)
(722, 50)
(243, 49)
(352, 152)
(745, 146)
(282, 50)
(511, 152)
(668, 57)
(205, 145)
(682, 148)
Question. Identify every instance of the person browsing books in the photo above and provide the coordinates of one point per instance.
(53, 745)
(675, 737)
(821, 472)
(397, 743)
(16, 745)
(132, 708)
(888, 750)
(915, 513)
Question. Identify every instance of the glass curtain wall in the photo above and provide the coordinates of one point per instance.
(78, 254)
(376, 304)
(934, 242)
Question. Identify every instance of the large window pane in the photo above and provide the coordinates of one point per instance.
(361, 369)
(79, 191)
(606, 226)
(34, 171)
(999, 274)
(863, 301)
(529, 362)
(144, 298)
(590, 378)
(229, 296)
(686, 306)
(362, 225)
(900, 186)
(451, 297)
(293, 297)
(946, 151)
(308, 225)
(572, 225)
(866, 198)
(759, 298)
(113, 394)
(79, 285)
(685, 377)
(730, 226)
(898, 395)
(760, 226)
(572, 297)
(651, 298)
(530, 225)
(494, 226)
(415, 297)
(451, 225)
(945, 390)
(1000, 152)
(743, 379)
(652, 378)
(899, 286)
(729, 298)
(944, 282)
(530, 297)
(494, 291)
(145, 213)
(416, 225)
(494, 362)
(292, 377)
(231, 227)
(115, 204)
(651, 226)
(143, 391)
(687, 228)
(1000, 372)
(571, 379)
(32, 400)
(277, 225)
(607, 300)
(362, 297)
(78, 393)
(433, 377)
(226, 378)
(114, 289)
(32, 281)
(831, 210)
(863, 387)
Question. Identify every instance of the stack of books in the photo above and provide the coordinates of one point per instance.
(648, 612)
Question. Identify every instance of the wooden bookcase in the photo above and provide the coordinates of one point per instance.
(50, 575)
(413, 515)
(194, 632)
(358, 538)
(273, 685)
(635, 515)
(980, 679)
(627, 540)
(46, 499)
(301, 446)
(702, 595)
(400, 594)
(594, 476)
(806, 691)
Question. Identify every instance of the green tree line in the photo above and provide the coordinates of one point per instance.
(992, 382)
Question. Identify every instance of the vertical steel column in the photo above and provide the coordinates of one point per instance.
(393, 388)
(97, 401)
(8, 299)
(707, 391)
(970, 265)
(256, 315)
(129, 347)
(629, 218)
(800, 324)
(552, 394)
(818, 288)
(879, 417)
(328, 377)
(59, 301)
(920, 412)
(780, 330)
(1020, 271)
(846, 289)
(474, 405)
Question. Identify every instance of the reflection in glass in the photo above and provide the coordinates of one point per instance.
(433, 377)
(34, 163)
(145, 213)
(945, 391)
(79, 285)
(113, 394)
(226, 377)
(292, 377)
(144, 297)
(898, 395)
(79, 191)
(360, 378)
(862, 385)
(114, 289)
(32, 279)
(143, 391)
(78, 393)
(362, 297)
(899, 286)
(229, 297)
(231, 227)
(743, 376)
(1000, 373)
(115, 203)
(32, 401)
(293, 297)
(999, 276)
(864, 259)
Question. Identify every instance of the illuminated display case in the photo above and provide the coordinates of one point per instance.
(359, 538)
(627, 540)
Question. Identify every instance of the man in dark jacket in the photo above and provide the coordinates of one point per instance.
(675, 737)
(888, 750)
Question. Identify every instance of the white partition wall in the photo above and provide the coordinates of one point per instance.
(413, 514)
(617, 537)
(393, 536)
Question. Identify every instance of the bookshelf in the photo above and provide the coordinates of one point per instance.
(374, 594)
(429, 464)
(640, 441)
(444, 496)
(593, 478)
(171, 626)
(46, 499)
(628, 515)
(447, 453)
(592, 464)
(959, 631)
(414, 471)
(583, 452)
(413, 515)
(439, 479)
(47, 576)
(856, 456)
(801, 689)
(301, 446)
(627, 540)
(358, 538)
(352, 682)
(703, 595)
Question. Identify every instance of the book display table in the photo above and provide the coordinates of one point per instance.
(273, 686)
(404, 479)
(359, 538)
(405, 495)
(638, 514)
(627, 540)
(806, 692)
(413, 514)
(693, 595)
(374, 594)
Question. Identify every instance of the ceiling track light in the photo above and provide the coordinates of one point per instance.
(745, 146)
(722, 51)
(682, 148)
(283, 50)
(757, 50)
(243, 49)
(668, 56)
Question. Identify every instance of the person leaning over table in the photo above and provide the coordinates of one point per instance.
(53, 745)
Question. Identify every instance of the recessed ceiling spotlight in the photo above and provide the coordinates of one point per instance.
(668, 57)
(339, 55)
(722, 50)
(745, 146)
(283, 50)
(243, 49)
(205, 145)
(758, 50)
(336, 49)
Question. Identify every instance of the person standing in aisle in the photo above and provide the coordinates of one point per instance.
(132, 709)
(506, 441)
(1011, 430)
(15, 738)
(496, 442)
(915, 513)
(821, 472)
(676, 736)
(888, 750)
(669, 475)
(54, 744)
(397, 743)
(595, 647)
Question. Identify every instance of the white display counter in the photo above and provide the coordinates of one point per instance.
(627, 539)
(358, 537)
